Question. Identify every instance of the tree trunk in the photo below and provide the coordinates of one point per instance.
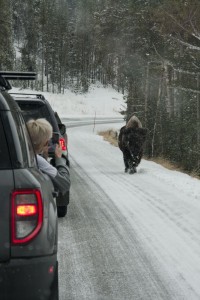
(146, 95)
(155, 124)
(198, 120)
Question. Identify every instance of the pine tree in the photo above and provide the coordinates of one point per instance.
(6, 37)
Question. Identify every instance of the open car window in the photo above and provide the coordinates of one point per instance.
(5, 162)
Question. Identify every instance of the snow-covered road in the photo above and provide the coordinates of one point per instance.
(127, 236)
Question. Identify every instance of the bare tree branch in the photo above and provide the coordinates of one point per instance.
(190, 46)
(184, 89)
(195, 34)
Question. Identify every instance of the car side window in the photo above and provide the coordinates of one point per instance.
(27, 152)
(5, 162)
(23, 145)
(29, 147)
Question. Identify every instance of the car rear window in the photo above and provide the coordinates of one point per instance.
(34, 110)
(4, 154)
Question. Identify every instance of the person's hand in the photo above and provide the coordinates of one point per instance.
(58, 151)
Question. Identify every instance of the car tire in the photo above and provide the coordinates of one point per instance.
(61, 211)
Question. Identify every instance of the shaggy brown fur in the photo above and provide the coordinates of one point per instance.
(134, 122)
(131, 140)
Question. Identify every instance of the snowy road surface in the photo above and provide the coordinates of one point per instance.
(127, 237)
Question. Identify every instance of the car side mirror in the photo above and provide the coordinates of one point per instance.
(62, 128)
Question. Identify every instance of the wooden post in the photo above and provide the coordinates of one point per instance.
(94, 121)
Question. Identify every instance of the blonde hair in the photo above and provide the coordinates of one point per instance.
(40, 131)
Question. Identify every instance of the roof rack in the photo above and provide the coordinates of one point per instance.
(38, 96)
(10, 75)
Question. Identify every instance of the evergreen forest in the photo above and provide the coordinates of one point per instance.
(149, 50)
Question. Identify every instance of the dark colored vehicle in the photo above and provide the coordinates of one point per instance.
(35, 106)
(28, 214)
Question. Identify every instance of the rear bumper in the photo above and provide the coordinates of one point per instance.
(29, 279)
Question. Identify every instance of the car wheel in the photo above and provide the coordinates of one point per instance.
(62, 211)
(63, 200)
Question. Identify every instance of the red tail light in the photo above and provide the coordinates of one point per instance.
(26, 210)
(26, 216)
(63, 144)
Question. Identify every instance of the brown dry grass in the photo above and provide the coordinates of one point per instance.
(111, 137)
(165, 163)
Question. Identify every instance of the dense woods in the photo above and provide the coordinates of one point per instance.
(148, 50)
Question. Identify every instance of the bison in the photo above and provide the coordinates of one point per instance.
(131, 142)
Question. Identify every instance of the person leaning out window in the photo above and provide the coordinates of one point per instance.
(41, 131)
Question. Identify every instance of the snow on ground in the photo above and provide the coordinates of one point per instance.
(163, 206)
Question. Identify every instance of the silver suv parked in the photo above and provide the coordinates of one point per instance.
(28, 214)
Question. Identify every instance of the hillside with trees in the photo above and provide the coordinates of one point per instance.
(148, 50)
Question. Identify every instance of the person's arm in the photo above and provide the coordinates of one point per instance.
(46, 167)
(59, 174)
(62, 178)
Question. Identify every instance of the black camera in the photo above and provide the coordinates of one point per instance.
(52, 142)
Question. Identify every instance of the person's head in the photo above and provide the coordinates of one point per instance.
(40, 131)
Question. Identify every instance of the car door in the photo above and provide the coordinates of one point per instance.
(6, 186)
(48, 234)
(27, 177)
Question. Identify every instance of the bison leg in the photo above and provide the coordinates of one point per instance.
(132, 167)
(139, 157)
(125, 163)
(133, 170)
(134, 162)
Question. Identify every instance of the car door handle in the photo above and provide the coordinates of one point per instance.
(55, 194)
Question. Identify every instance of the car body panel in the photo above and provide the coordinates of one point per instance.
(29, 279)
(27, 270)
(7, 185)
(45, 242)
